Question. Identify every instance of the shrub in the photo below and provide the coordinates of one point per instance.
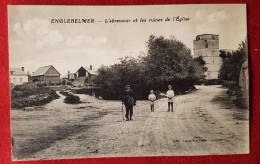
(99, 92)
(27, 95)
(213, 82)
(72, 99)
(41, 84)
(64, 93)
(237, 96)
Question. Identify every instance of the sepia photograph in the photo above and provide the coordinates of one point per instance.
(128, 81)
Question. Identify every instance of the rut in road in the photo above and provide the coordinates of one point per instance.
(189, 130)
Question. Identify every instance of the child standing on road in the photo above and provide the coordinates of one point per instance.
(152, 98)
(170, 95)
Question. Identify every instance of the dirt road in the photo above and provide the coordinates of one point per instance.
(203, 122)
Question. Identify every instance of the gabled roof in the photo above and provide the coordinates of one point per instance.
(43, 70)
(92, 72)
(17, 72)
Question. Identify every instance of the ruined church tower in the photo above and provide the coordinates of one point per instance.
(207, 46)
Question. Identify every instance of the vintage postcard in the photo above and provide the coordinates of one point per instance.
(127, 81)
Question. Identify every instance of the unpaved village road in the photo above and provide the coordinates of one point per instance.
(203, 122)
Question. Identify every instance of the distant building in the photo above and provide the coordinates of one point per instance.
(18, 76)
(207, 46)
(83, 76)
(46, 74)
(71, 76)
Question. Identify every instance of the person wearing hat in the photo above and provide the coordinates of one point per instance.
(129, 101)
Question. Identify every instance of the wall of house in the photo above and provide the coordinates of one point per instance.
(51, 71)
(52, 78)
(46, 78)
(17, 80)
(81, 72)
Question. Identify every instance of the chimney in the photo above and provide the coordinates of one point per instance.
(23, 68)
(90, 67)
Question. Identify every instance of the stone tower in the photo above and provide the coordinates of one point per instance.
(207, 46)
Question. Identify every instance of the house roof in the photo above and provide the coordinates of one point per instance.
(92, 72)
(64, 76)
(17, 72)
(43, 70)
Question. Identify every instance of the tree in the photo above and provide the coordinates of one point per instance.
(230, 68)
(112, 79)
(230, 71)
(169, 61)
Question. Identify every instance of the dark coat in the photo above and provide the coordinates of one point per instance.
(126, 95)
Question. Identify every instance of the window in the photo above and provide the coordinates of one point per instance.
(21, 80)
(207, 44)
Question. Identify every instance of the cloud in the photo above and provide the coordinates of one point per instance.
(217, 17)
(100, 40)
(37, 33)
(211, 22)
(201, 15)
(37, 26)
(83, 40)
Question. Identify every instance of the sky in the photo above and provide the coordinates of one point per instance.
(34, 41)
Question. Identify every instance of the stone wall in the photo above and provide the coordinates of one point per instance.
(207, 46)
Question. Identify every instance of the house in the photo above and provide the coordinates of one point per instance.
(46, 74)
(71, 76)
(18, 76)
(83, 76)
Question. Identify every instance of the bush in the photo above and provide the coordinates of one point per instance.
(64, 93)
(72, 99)
(240, 100)
(27, 95)
(213, 82)
(237, 96)
(41, 84)
(105, 93)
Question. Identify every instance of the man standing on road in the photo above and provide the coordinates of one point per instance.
(129, 101)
